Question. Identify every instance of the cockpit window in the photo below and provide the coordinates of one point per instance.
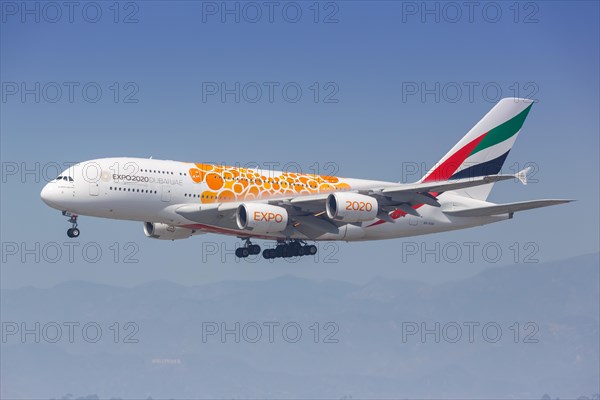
(58, 178)
(70, 179)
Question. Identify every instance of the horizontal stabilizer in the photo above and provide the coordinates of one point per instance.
(498, 209)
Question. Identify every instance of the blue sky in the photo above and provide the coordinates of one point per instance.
(369, 127)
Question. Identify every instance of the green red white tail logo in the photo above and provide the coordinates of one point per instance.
(483, 150)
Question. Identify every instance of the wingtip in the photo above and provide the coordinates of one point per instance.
(522, 175)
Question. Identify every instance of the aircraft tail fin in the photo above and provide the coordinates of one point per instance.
(483, 150)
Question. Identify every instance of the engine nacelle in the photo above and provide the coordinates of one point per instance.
(157, 230)
(351, 207)
(261, 218)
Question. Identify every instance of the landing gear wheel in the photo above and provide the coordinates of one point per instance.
(254, 249)
(72, 232)
(247, 249)
(293, 248)
(269, 254)
(242, 252)
(279, 250)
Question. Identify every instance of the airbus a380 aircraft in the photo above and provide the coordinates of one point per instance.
(176, 200)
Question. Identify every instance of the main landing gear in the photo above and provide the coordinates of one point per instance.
(248, 249)
(290, 249)
(72, 232)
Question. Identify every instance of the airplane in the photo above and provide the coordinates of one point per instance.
(176, 200)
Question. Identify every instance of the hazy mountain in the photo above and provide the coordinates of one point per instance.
(365, 351)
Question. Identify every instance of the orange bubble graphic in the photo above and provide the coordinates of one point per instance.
(228, 185)
(227, 175)
(214, 181)
(253, 190)
(226, 195)
(238, 187)
(331, 179)
(196, 175)
(208, 197)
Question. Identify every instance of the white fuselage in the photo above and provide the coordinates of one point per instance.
(149, 190)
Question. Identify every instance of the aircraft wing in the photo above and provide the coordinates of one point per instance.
(401, 197)
(308, 216)
(498, 209)
(305, 212)
(444, 186)
(214, 214)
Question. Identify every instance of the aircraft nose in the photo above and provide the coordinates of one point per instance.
(49, 195)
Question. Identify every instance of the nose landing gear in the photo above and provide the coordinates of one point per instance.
(72, 232)
(248, 249)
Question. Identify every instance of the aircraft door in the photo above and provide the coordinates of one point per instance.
(94, 189)
(166, 193)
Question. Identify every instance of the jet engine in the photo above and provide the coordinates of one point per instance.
(351, 207)
(157, 230)
(261, 218)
